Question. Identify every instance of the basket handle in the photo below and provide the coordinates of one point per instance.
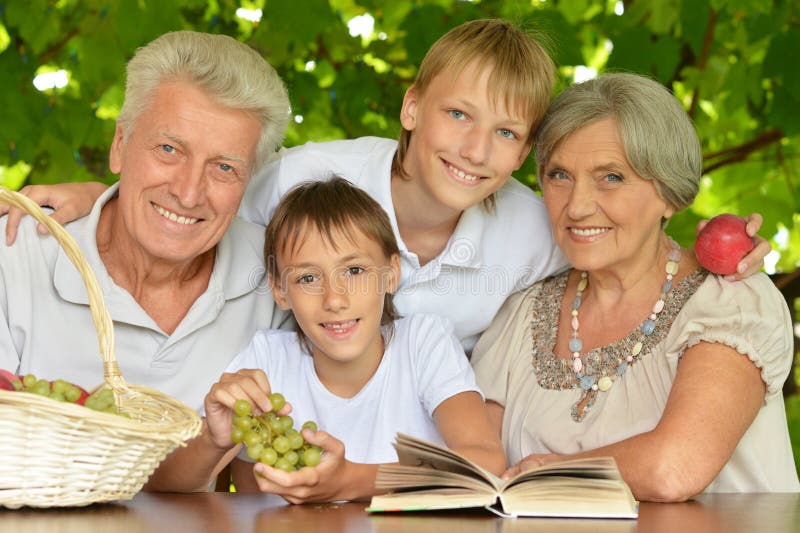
(100, 316)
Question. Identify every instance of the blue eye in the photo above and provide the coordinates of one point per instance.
(508, 134)
(456, 114)
(615, 178)
(168, 148)
(225, 167)
(558, 175)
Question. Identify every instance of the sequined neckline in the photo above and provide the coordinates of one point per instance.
(557, 374)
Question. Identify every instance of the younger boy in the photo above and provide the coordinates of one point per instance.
(352, 366)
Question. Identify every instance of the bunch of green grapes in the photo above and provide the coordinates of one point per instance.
(64, 391)
(271, 439)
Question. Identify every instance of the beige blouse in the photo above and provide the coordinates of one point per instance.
(749, 316)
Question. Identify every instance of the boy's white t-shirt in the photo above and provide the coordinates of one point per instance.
(422, 366)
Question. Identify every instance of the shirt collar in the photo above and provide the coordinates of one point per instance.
(465, 247)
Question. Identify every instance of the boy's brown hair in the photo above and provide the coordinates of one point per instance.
(523, 73)
(329, 206)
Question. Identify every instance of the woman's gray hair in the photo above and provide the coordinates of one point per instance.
(229, 71)
(657, 135)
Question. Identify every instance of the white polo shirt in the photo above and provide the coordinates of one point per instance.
(489, 255)
(46, 328)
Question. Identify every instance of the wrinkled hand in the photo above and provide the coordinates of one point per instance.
(70, 201)
(530, 462)
(322, 483)
(247, 384)
(754, 261)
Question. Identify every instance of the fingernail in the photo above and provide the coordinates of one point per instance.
(741, 268)
(729, 277)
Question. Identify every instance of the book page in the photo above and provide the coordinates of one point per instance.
(588, 467)
(415, 452)
(569, 496)
(430, 500)
(399, 476)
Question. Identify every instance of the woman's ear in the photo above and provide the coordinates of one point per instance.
(278, 293)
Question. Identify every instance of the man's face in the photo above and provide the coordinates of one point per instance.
(183, 170)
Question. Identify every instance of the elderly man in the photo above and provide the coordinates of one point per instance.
(182, 277)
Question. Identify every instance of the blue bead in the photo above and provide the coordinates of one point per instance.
(576, 303)
(667, 286)
(648, 326)
(623, 366)
(575, 345)
(587, 382)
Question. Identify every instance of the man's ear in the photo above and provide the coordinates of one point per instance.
(278, 293)
(115, 153)
(408, 112)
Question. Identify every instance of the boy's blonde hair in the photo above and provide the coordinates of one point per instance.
(523, 74)
(329, 206)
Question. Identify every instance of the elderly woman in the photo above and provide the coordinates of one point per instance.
(179, 272)
(637, 352)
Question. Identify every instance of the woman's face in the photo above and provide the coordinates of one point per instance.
(604, 215)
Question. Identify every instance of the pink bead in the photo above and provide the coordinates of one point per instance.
(629, 358)
(575, 323)
(658, 307)
(577, 365)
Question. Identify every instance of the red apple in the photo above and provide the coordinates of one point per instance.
(5, 384)
(722, 243)
(7, 380)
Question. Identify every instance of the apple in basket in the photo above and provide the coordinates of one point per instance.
(9, 381)
(57, 389)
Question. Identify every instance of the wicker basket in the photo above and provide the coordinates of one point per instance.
(57, 454)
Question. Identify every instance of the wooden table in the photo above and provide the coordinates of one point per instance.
(224, 513)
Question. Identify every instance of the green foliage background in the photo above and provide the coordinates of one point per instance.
(728, 61)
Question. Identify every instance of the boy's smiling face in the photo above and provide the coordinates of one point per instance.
(465, 143)
(337, 294)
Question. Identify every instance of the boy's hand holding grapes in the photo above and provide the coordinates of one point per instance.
(335, 478)
(220, 403)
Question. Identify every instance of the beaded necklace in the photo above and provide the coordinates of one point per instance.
(586, 376)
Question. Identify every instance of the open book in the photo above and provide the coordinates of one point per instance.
(431, 477)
